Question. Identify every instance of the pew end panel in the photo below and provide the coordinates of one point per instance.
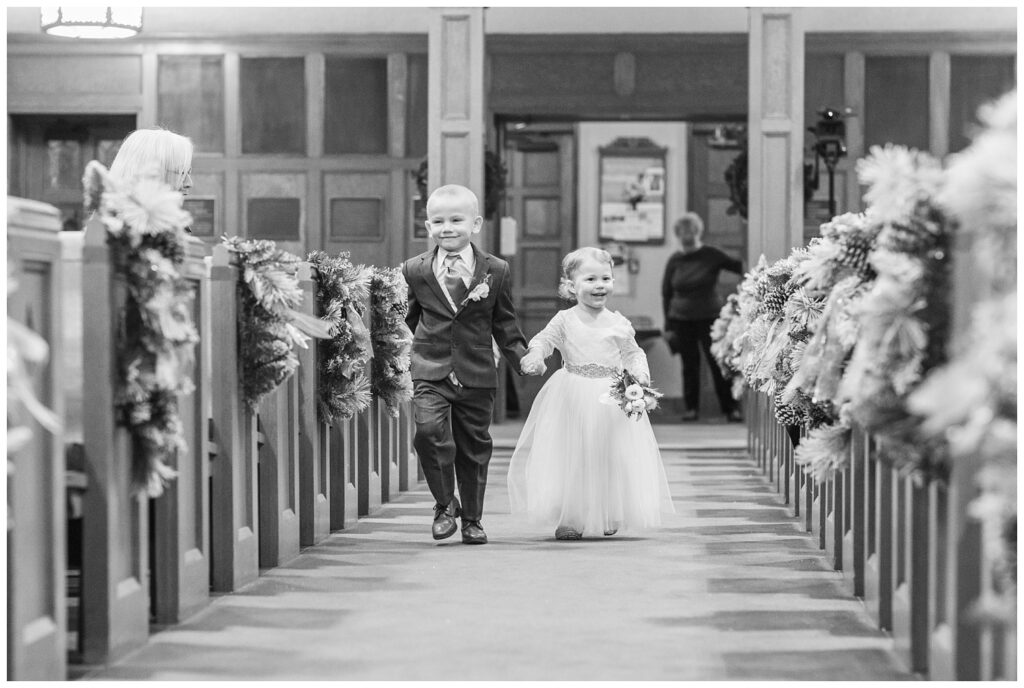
(234, 530)
(36, 532)
(115, 586)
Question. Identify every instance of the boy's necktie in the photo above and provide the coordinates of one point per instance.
(452, 279)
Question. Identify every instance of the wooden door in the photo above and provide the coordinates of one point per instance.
(541, 198)
(709, 198)
(50, 154)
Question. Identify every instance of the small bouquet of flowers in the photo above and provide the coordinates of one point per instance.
(632, 397)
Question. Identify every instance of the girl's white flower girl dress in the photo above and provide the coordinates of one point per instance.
(581, 462)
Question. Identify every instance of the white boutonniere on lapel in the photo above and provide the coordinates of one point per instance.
(480, 291)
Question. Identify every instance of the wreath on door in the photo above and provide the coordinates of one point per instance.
(736, 178)
(494, 182)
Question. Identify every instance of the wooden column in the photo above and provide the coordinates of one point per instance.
(456, 99)
(853, 97)
(776, 133)
(939, 76)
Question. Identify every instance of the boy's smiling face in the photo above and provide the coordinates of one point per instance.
(452, 218)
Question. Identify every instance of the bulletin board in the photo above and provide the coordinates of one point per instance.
(632, 191)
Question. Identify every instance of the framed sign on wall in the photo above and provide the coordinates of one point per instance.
(632, 191)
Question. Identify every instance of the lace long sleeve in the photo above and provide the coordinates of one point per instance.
(550, 338)
(633, 357)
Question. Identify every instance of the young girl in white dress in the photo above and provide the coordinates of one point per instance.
(581, 464)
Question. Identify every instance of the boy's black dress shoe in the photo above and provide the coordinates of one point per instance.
(444, 519)
(734, 416)
(473, 534)
(690, 415)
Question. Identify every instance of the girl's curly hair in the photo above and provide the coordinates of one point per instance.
(572, 262)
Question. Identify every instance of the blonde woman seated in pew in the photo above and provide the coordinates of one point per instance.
(158, 153)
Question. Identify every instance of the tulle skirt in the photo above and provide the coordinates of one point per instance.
(585, 464)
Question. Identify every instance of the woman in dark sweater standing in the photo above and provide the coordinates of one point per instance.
(691, 304)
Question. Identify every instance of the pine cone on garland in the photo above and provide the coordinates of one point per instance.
(915, 238)
(854, 251)
(788, 414)
(820, 413)
(775, 301)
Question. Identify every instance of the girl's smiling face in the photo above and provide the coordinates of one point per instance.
(593, 283)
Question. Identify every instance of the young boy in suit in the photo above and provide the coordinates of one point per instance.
(459, 297)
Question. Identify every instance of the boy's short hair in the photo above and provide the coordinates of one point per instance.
(456, 190)
(572, 262)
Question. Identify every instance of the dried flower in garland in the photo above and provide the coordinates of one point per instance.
(722, 337)
(731, 332)
(145, 226)
(269, 324)
(342, 292)
(768, 330)
(390, 379)
(903, 319)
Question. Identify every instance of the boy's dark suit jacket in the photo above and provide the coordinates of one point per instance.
(445, 340)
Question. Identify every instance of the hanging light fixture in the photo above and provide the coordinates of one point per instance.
(91, 22)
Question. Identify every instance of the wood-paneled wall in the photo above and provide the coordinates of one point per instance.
(941, 80)
(591, 76)
(141, 78)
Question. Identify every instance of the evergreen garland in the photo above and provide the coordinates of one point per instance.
(736, 178)
(269, 326)
(156, 337)
(903, 318)
(841, 332)
(390, 380)
(342, 294)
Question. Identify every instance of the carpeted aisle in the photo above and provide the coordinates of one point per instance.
(730, 588)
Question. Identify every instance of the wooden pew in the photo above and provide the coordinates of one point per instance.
(910, 571)
(343, 466)
(234, 526)
(115, 595)
(36, 602)
(408, 464)
(180, 542)
(367, 460)
(879, 550)
(314, 439)
(387, 447)
(72, 391)
(854, 505)
(278, 482)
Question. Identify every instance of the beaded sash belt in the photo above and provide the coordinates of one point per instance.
(591, 370)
